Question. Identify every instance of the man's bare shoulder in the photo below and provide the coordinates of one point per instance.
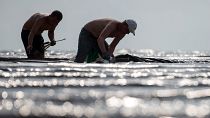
(107, 20)
(102, 22)
(38, 17)
(35, 18)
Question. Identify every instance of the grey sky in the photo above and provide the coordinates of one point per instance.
(162, 24)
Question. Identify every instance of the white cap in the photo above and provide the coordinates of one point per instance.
(132, 25)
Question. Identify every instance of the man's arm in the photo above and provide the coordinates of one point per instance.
(114, 44)
(51, 36)
(110, 27)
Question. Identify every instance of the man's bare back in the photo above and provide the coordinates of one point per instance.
(33, 19)
(97, 26)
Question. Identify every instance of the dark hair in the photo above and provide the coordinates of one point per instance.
(57, 14)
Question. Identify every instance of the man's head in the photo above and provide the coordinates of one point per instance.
(56, 16)
(132, 25)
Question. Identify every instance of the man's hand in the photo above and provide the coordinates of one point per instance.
(29, 48)
(53, 42)
(112, 59)
(106, 56)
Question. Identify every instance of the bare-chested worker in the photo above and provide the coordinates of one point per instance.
(32, 30)
(93, 34)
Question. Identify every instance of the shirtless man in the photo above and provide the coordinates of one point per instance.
(32, 30)
(93, 34)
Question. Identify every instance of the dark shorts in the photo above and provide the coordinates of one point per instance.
(87, 44)
(38, 43)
